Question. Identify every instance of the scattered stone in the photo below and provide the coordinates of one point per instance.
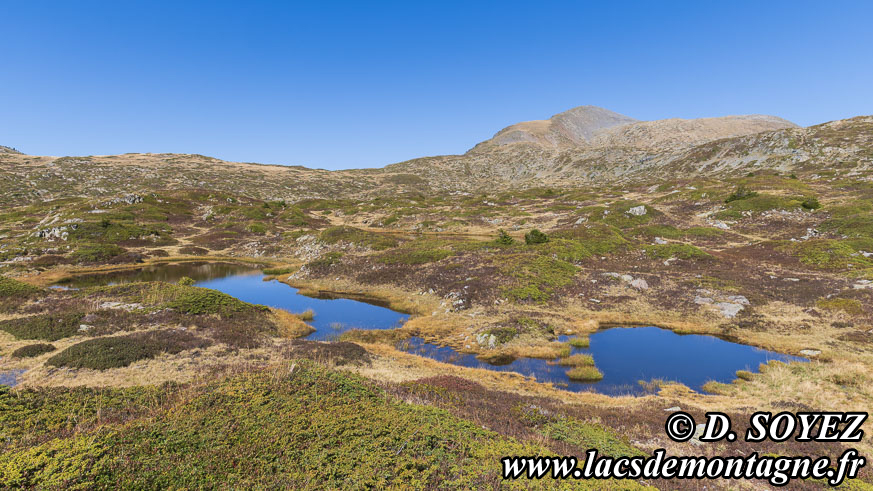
(863, 285)
(130, 199)
(728, 305)
(119, 305)
(810, 233)
(637, 210)
(672, 409)
(660, 241)
(56, 233)
(738, 299)
(729, 310)
(639, 284)
(810, 352)
(594, 300)
(698, 432)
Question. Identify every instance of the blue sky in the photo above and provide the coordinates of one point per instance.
(362, 84)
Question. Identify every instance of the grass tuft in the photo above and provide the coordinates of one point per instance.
(585, 374)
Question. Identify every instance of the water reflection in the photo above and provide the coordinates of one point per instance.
(627, 356)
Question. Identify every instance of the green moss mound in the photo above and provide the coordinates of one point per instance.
(46, 327)
(33, 350)
(94, 253)
(121, 351)
(15, 288)
(681, 251)
(333, 235)
(271, 429)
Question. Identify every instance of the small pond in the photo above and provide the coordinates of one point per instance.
(627, 356)
(332, 316)
(10, 377)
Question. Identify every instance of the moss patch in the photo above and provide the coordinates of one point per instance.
(536, 277)
(352, 235)
(121, 351)
(255, 430)
(15, 288)
(33, 350)
(47, 327)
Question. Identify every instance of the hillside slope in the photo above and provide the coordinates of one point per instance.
(581, 146)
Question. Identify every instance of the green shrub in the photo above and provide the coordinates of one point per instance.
(590, 435)
(47, 327)
(250, 431)
(741, 192)
(828, 254)
(333, 235)
(503, 238)
(535, 237)
(257, 228)
(598, 238)
(536, 277)
(279, 271)
(195, 300)
(121, 351)
(503, 334)
(15, 288)
(186, 281)
(33, 350)
(847, 305)
(411, 256)
(94, 253)
(811, 203)
(681, 251)
(325, 260)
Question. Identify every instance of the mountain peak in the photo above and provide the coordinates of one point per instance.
(592, 126)
(570, 128)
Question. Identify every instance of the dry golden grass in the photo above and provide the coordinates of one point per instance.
(577, 360)
(544, 351)
(181, 367)
(396, 298)
(291, 325)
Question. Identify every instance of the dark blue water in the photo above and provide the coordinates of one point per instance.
(627, 356)
(332, 316)
(10, 377)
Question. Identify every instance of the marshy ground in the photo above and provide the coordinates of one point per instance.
(123, 382)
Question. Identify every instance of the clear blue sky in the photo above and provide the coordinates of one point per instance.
(362, 84)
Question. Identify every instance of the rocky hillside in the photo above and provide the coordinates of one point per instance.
(597, 128)
(583, 146)
(641, 152)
